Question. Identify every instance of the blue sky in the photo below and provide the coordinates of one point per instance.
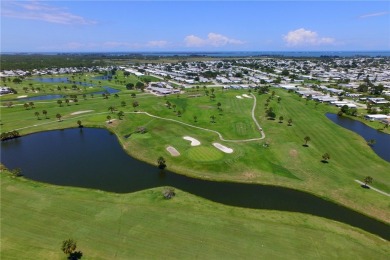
(77, 26)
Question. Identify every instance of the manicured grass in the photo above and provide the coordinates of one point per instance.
(285, 162)
(204, 154)
(36, 218)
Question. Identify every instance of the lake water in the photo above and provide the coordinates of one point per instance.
(382, 144)
(93, 158)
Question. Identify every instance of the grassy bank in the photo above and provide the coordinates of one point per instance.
(285, 162)
(36, 218)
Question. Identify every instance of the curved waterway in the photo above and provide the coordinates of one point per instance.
(93, 158)
(382, 140)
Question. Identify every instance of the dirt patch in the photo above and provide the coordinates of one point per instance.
(205, 107)
(293, 153)
(114, 122)
(248, 175)
(172, 150)
(81, 112)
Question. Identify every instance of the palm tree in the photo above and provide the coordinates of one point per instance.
(68, 246)
(123, 103)
(195, 119)
(279, 99)
(120, 115)
(174, 107)
(367, 180)
(26, 106)
(111, 108)
(178, 113)
(280, 119)
(45, 113)
(59, 102)
(135, 104)
(219, 105)
(67, 101)
(168, 104)
(212, 118)
(371, 142)
(109, 119)
(79, 123)
(307, 139)
(325, 157)
(290, 122)
(59, 117)
(37, 115)
(169, 193)
(133, 95)
(161, 163)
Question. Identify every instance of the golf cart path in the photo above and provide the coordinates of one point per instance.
(375, 189)
(179, 122)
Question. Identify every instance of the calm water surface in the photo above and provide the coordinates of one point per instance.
(93, 158)
(382, 145)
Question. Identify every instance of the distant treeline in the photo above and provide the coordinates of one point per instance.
(41, 61)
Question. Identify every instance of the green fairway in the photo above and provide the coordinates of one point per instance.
(278, 159)
(36, 218)
(204, 154)
(39, 217)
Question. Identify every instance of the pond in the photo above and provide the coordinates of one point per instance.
(93, 158)
(382, 140)
(57, 96)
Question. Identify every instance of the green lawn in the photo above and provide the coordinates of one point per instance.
(285, 162)
(36, 218)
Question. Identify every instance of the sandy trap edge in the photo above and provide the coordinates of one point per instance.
(223, 148)
(172, 150)
(81, 112)
(194, 142)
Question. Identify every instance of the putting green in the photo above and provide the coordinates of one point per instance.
(204, 154)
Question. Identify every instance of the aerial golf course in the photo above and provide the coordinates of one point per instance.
(37, 217)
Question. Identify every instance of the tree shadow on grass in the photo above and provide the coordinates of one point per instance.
(364, 186)
(305, 145)
(324, 161)
(75, 255)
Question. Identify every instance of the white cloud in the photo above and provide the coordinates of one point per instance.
(39, 11)
(373, 14)
(302, 37)
(213, 39)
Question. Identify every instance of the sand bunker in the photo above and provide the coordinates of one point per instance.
(22, 96)
(81, 112)
(173, 151)
(223, 148)
(245, 95)
(110, 121)
(194, 142)
(239, 97)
